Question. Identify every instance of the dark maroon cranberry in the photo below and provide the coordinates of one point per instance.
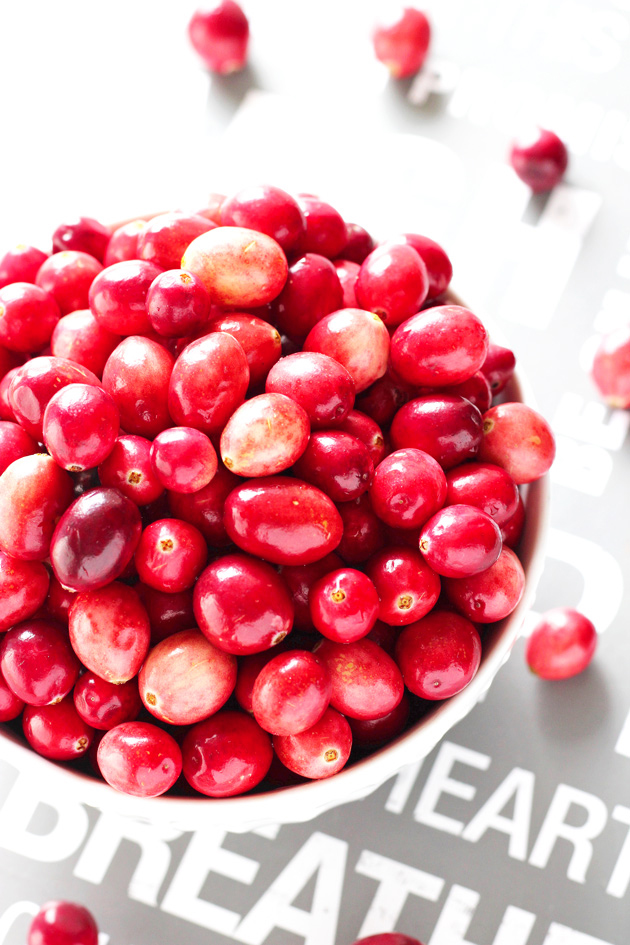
(123, 243)
(368, 431)
(28, 316)
(269, 210)
(318, 752)
(219, 33)
(440, 346)
(23, 589)
(226, 755)
(63, 923)
(363, 531)
(476, 389)
(84, 235)
(519, 439)
(491, 595)
(373, 733)
(11, 706)
(78, 337)
(392, 282)
(264, 436)
(118, 296)
(439, 655)
(366, 683)
(103, 704)
(460, 540)
(170, 555)
(34, 492)
(178, 304)
(408, 487)
(15, 442)
(168, 613)
(359, 243)
(337, 463)
(498, 367)
(322, 386)
(291, 693)
(439, 268)
(344, 605)
(445, 426)
(204, 509)
(128, 468)
(407, 587)
(37, 662)
(326, 232)
(137, 376)
(81, 424)
(139, 758)
(561, 645)
(67, 276)
(401, 40)
(312, 290)
(166, 237)
(348, 272)
(357, 339)
(299, 579)
(260, 341)
(384, 397)
(20, 264)
(56, 731)
(36, 382)
(488, 487)
(183, 459)
(540, 160)
(385, 636)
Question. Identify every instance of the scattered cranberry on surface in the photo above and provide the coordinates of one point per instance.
(561, 645)
(611, 367)
(63, 923)
(540, 160)
(401, 40)
(219, 33)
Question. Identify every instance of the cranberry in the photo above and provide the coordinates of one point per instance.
(438, 265)
(183, 459)
(28, 316)
(165, 238)
(123, 243)
(401, 41)
(385, 397)
(439, 655)
(357, 339)
(363, 532)
(59, 601)
(63, 923)
(561, 645)
(388, 938)
(219, 33)
(103, 705)
(226, 755)
(312, 290)
(9, 360)
(359, 243)
(476, 389)
(137, 375)
(23, 589)
(299, 579)
(78, 337)
(460, 540)
(285, 521)
(344, 605)
(35, 383)
(67, 277)
(440, 346)
(291, 693)
(128, 469)
(540, 159)
(20, 264)
(320, 751)
(445, 426)
(11, 707)
(109, 631)
(185, 678)
(178, 304)
(37, 662)
(518, 439)
(6, 410)
(326, 231)
(212, 209)
(512, 528)
(139, 758)
(170, 555)
(408, 487)
(392, 282)
(118, 296)
(84, 235)
(14, 443)
(611, 367)
(337, 463)
(491, 595)
(56, 731)
(486, 486)
(259, 340)
(366, 683)
(264, 436)
(208, 382)
(242, 605)
(168, 613)
(347, 273)
(368, 431)
(268, 210)
(204, 509)
(407, 587)
(318, 383)
(81, 424)
(247, 674)
(373, 733)
(34, 492)
(498, 367)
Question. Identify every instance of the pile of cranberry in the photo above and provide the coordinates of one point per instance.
(255, 502)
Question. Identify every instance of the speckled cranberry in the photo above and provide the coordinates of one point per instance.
(366, 682)
(439, 655)
(226, 755)
(320, 751)
(491, 595)
(447, 427)
(519, 439)
(561, 645)
(318, 383)
(109, 631)
(540, 159)
(406, 586)
(357, 339)
(28, 316)
(265, 436)
(56, 731)
(139, 758)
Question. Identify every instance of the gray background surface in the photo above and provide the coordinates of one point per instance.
(104, 111)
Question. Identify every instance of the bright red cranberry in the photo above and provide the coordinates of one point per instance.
(285, 521)
(79, 337)
(166, 237)
(438, 265)
(337, 463)
(363, 531)
(347, 272)
(137, 376)
(611, 367)
(95, 539)
(118, 296)
(123, 244)
(320, 751)
(34, 492)
(6, 409)
(439, 655)
(407, 587)
(401, 41)
(84, 235)
(67, 276)
(242, 605)
(268, 210)
(139, 758)
(178, 304)
(109, 631)
(23, 589)
(561, 645)
(204, 509)
(219, 33)
(168, 613)
(318, 383)
(392, 282)
(183, 459)
(128, 468)
(498, 367)
(209, 381)
(20, 264)
(226, 755)
(385, 397)
(264, 436)
(373, 733)
(36, 382)
(344, 605)
(408, 487)
(445, 426)
(260, 341)
(28, 316)
(170, 555)
(512, 528)
(540, 160)
(238, 266)
(63, 923)
(14, 443)
(37, 662)
(326, 231)
(312, 290)
(11, 706)
(357, 339)
(359, 243)
(291, 693)
(56, 731)
(491, 595)
(81, 424)
(440, 346)
(103, 704)
(185, 678)
(486, 486)
(460, 540)
(518, 439)
(476, 389)
(368, 431)
(366, 683)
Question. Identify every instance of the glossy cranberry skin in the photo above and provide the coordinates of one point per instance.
(512, 529)
(408, 487)
(185, 678)
(486, 486)
(498, 367)
(491, 595)
(344, 605)
(385, 397)
(347, 272)
(36, 382)
(85, 235)
(139, 758)
(285, 521)
(264, 436)
(439, 655)
(67, 277)
(28, 316)
(237, 265)
(165, 238)
(23, 589)
(401, 41)
(357, 339)
(363, 531)
(204, 509)
(459, 541)
(219, 33)
(326, 232)
(56, 731)
(118, 296)
(183, 459)
(406, 586)
(318, 383)
(268, 210)
(260, 341)
(15, 442)
(10, 705)
(170, 555)
(37, 662)
(540, 160)
(103, 705)
(137, 376)
(242, 605)
(178, 303)
(123, 243)
(445, 426)
(291, 693)
(440, 346)
(561, 645)
(320, 751)
(368, 431)
(81, 424)
(20, 264)
(95, 539)
(6, 410)
(392, 282)
(78, 337)
(312, 290)
(438, 265)
(34, 492)
(299, 579)
(476, 389)
(128, 468)
(359, 243)
(209, 381)
(63, 923)
(226, 755)
(518, 439)
(373, 733)
(337, 463)
(366, 682)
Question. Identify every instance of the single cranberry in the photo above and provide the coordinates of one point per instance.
(34, 492)
(385, 397)
(561, 645)
(366, 683)
(326, 231)
(67, 276)
(357, 339)
(359, 243)
(318, 383)
(178, 304)
(401, 41)
(268, 210)
(137, 376)
(118, 296)
(438, 265)
(260, 341)
(123, 243)
(320, 751)
(35, 383)
(79, 337)
(409, 486)
(337, 463)
(491, 595)
(28, 316)
(168, 613)
(518, 439)
(363, 531)
(183, 459)
(84, 235)
(299, 579)
(440, 346)
(81, 424)
(512, 528)
(347, 272)
(128, 469)
(407, 587)
(344, 605)
(486, 486)
(439, 655)
(11, 707)
(166, 237)
(460, 540)
(204, 509)
(611, 367)
(392, 282)
(56, 731)
(291, 693)
(15, 442)
(498, 367)
(139, 758)
(368, 431)
(226, 755)
(388, 938)
(63, 923)
(170, 555)
(445, 426)
(373, 733)
(476, 389)
(312, 291)
(23, 589)
(37, 662)
(103, 704)
(20, 264)
(265, 436)
(540, 159)
(219, 33)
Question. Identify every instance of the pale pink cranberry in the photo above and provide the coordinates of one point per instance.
(139, 758)
(226, 755)
(63, 923)
(561, 645)
(408, 487)
(407, 587)
(392, 282)
(320, 751)
(540, 160)
(265, 436)
(183, 459)
(79, 337)
(28, 316)
(439, 347)
(219, 33)
(318, 383)
(518, 439)
(20, 264)
(357, 339)
(439, 655)
(37, 662)
(67, 276)
(23, 589)
(291, 693)
(84, 235)
(401, 41)
(57, 731)
(344, 605)
(366, 683)
(34, 492)
(491, 595)
(611, 367)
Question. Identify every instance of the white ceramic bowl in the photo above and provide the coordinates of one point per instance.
(303, 802)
